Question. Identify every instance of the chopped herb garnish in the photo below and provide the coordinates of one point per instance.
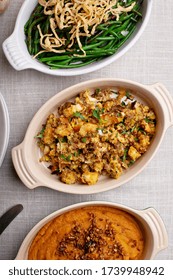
(40, 135)
(97, 90)
(118, 114)
(131, 163)
(123, 103)
(132, 129)
(136, 139)
(96, 113)
(77, 153)
(68, 158)
(113, 91)
(64, 140)
(140, 129)
(124, 132)
(84, 140)
(147, 120)
(99, 128)
(125, 155)
(127, 94)
(65, 158)
(56, 171)
(79, 115)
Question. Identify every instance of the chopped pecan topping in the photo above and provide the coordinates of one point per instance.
(92, 242)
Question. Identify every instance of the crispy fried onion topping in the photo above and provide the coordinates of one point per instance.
(81, 16)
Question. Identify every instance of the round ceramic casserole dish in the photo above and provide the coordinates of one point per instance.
(5, 128)
(17, 54)
(26, 155)
(149, 220)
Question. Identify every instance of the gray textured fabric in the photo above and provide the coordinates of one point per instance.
(149, 61)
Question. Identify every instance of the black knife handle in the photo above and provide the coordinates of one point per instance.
(9, 216)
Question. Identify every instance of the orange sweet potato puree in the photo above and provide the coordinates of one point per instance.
(89, 233)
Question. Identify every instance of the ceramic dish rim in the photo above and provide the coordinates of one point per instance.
(6, 128)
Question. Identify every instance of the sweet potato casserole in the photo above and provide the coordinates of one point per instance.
(101, 132)
(89, 233)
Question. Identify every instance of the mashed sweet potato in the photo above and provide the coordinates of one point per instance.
(89, 233)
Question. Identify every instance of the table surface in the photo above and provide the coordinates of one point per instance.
(149, 61)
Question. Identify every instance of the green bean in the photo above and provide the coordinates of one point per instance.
(114, 33)
(97, 51)
(138, 13)
(115, 29)
(125, 39)
(55, 58)
(134, 20)
(127, 17)
(64, 62)
(55, 66)
(30, 32)
(94, 39)
(36, 41)
(117, 22)
(36, 12)
(106, 38)
(89, 54)
(92, 46)
(47, 25)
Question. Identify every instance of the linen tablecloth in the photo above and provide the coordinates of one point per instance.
(149, 61)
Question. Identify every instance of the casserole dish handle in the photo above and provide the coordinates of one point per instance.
(22, 169)
(14, 54)
(166, 101)
(158, 229)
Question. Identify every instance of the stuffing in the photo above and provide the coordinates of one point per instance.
(102, 132)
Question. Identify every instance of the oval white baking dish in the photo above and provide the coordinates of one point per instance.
(5, 128)
(153, 228)
(26, 155)
(17, 54)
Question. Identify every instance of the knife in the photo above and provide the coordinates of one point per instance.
(9, 216)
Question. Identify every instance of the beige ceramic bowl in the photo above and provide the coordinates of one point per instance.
(26, 156)
(153, 228)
